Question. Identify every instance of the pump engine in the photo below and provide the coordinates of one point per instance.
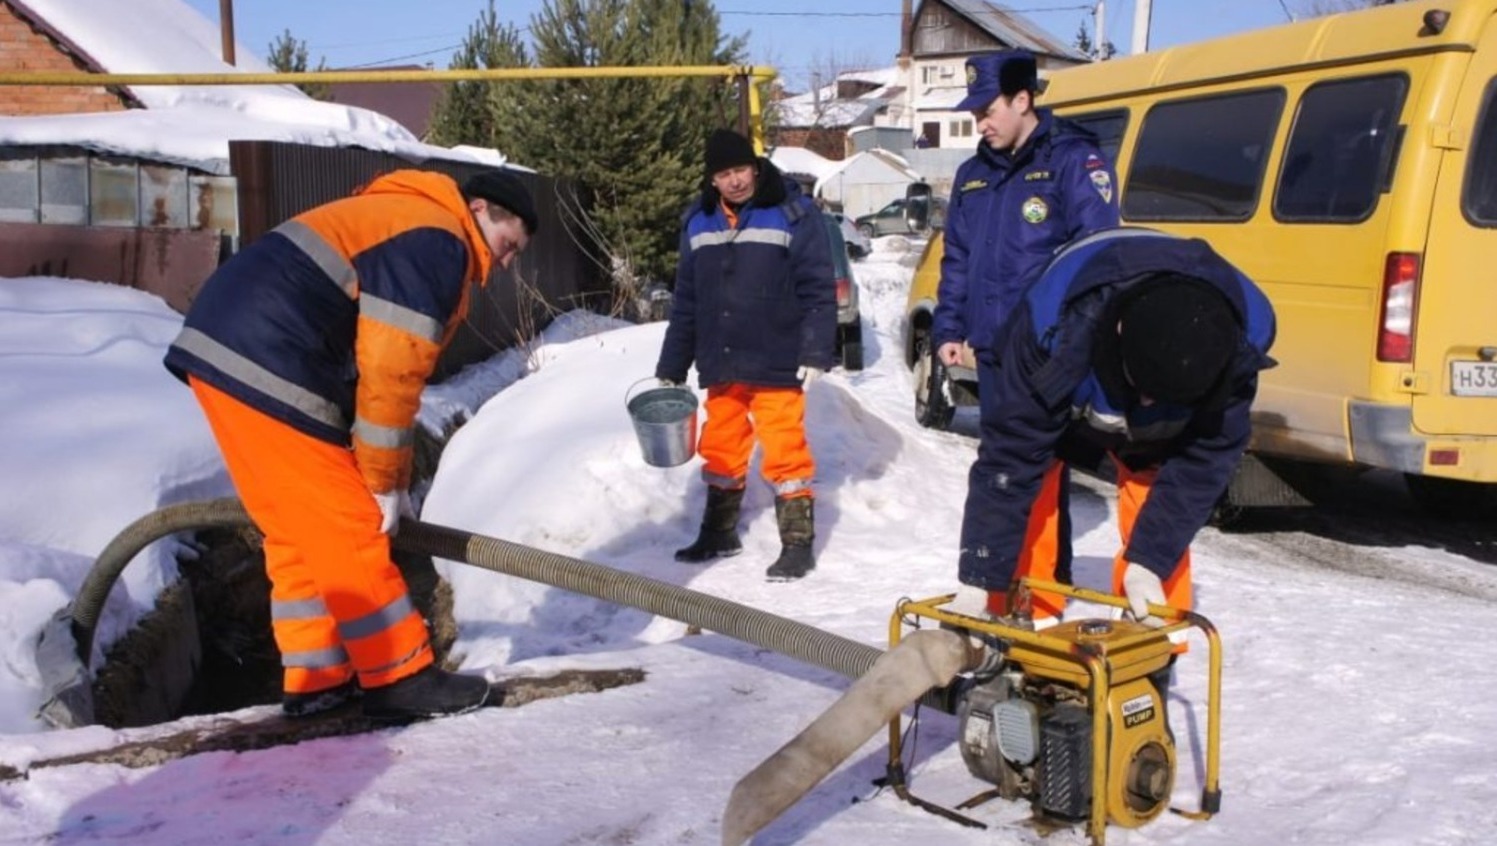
(1028, 728)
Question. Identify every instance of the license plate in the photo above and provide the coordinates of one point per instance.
(1473, 378)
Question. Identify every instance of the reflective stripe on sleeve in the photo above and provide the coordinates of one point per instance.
(385, 437)
(322, 254)
(400, 317)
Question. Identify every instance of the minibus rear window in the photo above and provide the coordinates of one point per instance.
(1203, 159)
(1479, 200)
(1341, 151)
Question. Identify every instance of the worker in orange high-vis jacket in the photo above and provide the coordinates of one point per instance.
(308, 351)
(755, 308)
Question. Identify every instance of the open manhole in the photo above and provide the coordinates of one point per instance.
(207, 646)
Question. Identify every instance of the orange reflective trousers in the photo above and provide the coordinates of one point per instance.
(1133, 492)
(1041, 539)
(339, 606)
(736, 414)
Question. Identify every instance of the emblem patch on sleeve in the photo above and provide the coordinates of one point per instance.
(1102, 181)
(1035, 210)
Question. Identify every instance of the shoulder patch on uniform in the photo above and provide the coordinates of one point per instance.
(1094, 161)
(1102, 181)
(1038, 176)
(1035, 210)
(973, 185)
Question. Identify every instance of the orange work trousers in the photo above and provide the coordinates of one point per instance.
(736, 415)
(339, 606)
(1133, 492)
(1041, 551)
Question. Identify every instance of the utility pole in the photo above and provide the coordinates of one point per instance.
(226, 27)
(1099, 21)
(1142, 10)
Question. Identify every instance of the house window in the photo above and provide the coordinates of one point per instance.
(18, 190)
(959, 128)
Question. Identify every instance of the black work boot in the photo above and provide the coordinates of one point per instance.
(319, 701)
(797, 530)
(719, 535)
(432, 692)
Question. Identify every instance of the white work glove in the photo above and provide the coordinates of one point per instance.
(969, 600)
(807, 375)
(394, 505)
(668, 383)
(1141, 587)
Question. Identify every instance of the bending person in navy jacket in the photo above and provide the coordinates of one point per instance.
(755, 308)
(1147, 346)
(1035, 184)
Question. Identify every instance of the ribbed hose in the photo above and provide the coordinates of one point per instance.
(797, 640)
(209, 514)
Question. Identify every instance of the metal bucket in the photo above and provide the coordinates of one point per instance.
(665, 421)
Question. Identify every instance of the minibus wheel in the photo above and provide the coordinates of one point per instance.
(933, 408)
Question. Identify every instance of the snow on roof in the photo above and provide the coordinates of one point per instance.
(822, 107)
(894, 164)
(192, 124)
(793, 160)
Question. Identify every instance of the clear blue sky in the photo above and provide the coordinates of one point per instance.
(838, 34)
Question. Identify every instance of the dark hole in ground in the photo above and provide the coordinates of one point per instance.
(207, 646)
(154, 674)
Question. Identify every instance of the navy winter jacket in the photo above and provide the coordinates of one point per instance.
(753, 303)
(1008, 214)
(1056, 388)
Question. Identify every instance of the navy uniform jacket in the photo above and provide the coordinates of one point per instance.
(1056, 387)
(1008, 214)
(752, 303)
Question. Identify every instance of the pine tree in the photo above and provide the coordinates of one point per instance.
(466, 112)
(288, 54)
(634, 145)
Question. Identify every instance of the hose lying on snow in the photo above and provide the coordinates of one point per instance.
(66, 679)
(924, 660)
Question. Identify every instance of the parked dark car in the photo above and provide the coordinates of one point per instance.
(849, 321)
(890, 220)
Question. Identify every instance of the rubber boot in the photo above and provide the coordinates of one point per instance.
(719, 535)
(797, 530)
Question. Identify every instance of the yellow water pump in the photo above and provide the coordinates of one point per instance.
(1072, 718)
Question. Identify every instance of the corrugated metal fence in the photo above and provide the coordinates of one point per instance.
(278, 180)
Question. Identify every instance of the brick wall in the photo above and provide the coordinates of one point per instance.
(23, 48)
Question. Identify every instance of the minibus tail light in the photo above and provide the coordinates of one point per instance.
(1395, 337)
(844, 292)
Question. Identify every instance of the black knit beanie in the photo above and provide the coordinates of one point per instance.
(727, 149)
(505, 190)
(1176, 338)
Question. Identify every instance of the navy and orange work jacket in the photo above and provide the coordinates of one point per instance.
(333, 321)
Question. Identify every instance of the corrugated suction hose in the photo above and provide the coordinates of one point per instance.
(710, 613)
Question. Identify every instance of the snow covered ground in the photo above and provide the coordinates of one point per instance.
(1355, 710)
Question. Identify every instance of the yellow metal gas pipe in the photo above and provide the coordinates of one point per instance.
(750, 73)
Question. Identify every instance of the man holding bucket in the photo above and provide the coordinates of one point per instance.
(755, 308)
